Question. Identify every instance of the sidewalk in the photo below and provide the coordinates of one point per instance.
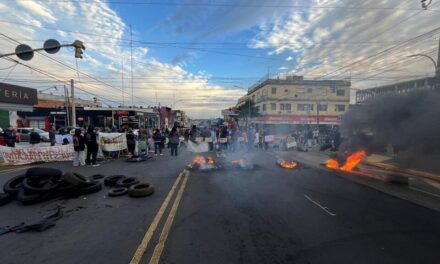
(419, 191)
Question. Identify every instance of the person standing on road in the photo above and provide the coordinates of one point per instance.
(158, 139)
(52, 136)
(34, 138)
(79, 147)
(174, 141)
(92, 147)
(10, 137)
(131, 141)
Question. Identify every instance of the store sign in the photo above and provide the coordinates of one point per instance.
(14, 94)
(299, 119)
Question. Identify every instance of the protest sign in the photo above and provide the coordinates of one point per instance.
(112, 141)
(20, 155)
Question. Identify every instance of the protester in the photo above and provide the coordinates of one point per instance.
(158, 142)
(65, 141)
(10, 137)
(34, 138)
(79, 147)
(92, 147)
(131, 141)
(174, 141)
(52, 136)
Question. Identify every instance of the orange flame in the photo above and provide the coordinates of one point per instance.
(210, 160)
(352, 161)
(199, 160)
(288, 165)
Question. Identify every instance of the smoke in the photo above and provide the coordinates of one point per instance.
(408, 123)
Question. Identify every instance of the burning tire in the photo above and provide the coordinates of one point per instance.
(127, 182)
(14, 184)
(118, 192)
(141, 190)
(77, 179)
(112, 180)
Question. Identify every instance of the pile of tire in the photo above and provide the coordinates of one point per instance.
(41, 184)
(127, 185)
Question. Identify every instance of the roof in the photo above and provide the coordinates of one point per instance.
(298, 81)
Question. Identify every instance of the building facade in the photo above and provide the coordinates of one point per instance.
(296, 101)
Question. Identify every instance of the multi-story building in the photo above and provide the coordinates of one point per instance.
(296, 101)
(179, 118)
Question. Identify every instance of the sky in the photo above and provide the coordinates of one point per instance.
(200, 56)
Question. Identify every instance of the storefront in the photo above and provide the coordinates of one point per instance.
(15, 98)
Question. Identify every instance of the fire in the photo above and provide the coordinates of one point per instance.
(199, 160)
(189, 165)
(288, 165)
(210, 160)
(332, 164)
(352, 161)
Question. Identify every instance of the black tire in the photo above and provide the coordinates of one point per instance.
(127, 182)
(5, 198)
(97, 176)
(141, 190)
(46, 186)
(112, 180)
(38, 174)
(78, 180)
(29, 197)
(96, 187)
(118, 192)
(63, 189)
(14, 184)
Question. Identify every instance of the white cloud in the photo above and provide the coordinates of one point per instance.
(289, 58)
(39, 9)
(283, 68)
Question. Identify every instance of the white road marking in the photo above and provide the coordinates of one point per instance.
(320, 206)
(420, 190)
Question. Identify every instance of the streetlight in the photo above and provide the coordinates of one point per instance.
(437, 72)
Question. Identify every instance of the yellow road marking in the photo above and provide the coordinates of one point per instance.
(143, 246)
(13, 170)
(166, 229)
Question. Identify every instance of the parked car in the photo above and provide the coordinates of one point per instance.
(70, 130)
(26, 131)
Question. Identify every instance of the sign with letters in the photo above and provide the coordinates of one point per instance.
(14, 94)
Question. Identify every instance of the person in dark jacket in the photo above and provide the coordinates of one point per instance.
(174, 141)
(158, 139)
(52, 136)
(131, 141)
(34, 138)
(79, 146)
(92, 146)
(10, 137)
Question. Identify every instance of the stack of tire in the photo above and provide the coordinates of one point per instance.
(40, 184)
(128, 185)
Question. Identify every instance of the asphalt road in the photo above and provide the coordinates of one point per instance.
(265, 215)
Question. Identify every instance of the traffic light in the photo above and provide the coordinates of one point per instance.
(79, 47)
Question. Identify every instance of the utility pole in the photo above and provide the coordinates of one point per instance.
(73, 103)
(437, 68)
(66, 97)
(131, 58)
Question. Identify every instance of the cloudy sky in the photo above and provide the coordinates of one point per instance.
(201, 55)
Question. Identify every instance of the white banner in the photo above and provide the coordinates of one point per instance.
(59, 138)
(201, 147)
(268, 138)
(20, 156)
(112, 141)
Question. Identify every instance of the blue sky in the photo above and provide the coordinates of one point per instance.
(200, 55)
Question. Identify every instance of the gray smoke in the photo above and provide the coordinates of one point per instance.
(408, 123)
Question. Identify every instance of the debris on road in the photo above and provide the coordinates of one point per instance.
(203, 164)
(287, 164)
(39, 226)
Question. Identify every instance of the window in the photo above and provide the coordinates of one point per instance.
(340, 92)
(322, 107)
(309, 90)
(253, 98)
(264, 107)
(273, 107)
(282, 107)
(274, 90)
(289, 108)
(305, 107)
(340, 108)
(286, 90)
(257, 108)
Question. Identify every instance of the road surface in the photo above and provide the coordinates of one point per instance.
(265, 215)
